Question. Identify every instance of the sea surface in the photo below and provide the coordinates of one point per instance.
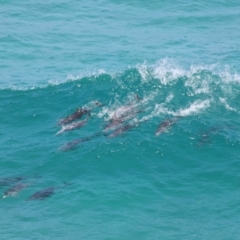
(120, 119)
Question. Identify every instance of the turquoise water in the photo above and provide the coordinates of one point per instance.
(147, 64)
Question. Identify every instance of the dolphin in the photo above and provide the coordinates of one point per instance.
(120, 130)
(77, 114)
(42, 194)
(72, 126)
(45, 193)
(14, 190)
(205, 137)
(165, 125)
(123, 111)
(10, 180)
(113, 123)
(73, 144)
(120, 115)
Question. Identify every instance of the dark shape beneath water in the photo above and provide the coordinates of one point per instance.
(205, 137)
(42, 194)
(10, 180)
(14, 190)
(165, 125)
(73, 144)
(120, 130)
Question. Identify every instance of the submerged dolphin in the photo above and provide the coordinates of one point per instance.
(42, 194)
(45, 193)
(113, 123)
(73, 144)
(72, 126)
(205, 137)
(122, 114)
(10, 180)
(77, 114)
(126, 110)
(14, 190)
(120, 130)
(165, 125)
(123, 111)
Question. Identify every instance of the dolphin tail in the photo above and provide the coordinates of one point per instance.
(59, 132)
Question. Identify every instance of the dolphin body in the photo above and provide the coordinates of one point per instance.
(205, 137)
(10, 180)
(76, 115)
(122, 114)
(165, 125)
(120, 130)
(72, 126)
(123, 111)
(113, 123)
(45, 193)
(42, 194)
(73, 144)
(14, 190)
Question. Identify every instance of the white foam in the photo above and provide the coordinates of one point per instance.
(194, 108)
(143, 70)
(197, 84)
(169, 98)
(95, 73)
(161, 109)
(167, 70)
(79, 76)
(228, 77)
(223, 100)
(103, 112)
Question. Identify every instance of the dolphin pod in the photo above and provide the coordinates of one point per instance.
(15, 185)
(39, 195)
(117, 124)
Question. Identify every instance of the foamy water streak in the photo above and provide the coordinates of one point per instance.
(194, 108)
(223, 100)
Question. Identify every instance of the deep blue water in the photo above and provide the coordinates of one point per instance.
(164, 75)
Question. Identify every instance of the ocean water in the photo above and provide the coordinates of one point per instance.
(156, 156)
